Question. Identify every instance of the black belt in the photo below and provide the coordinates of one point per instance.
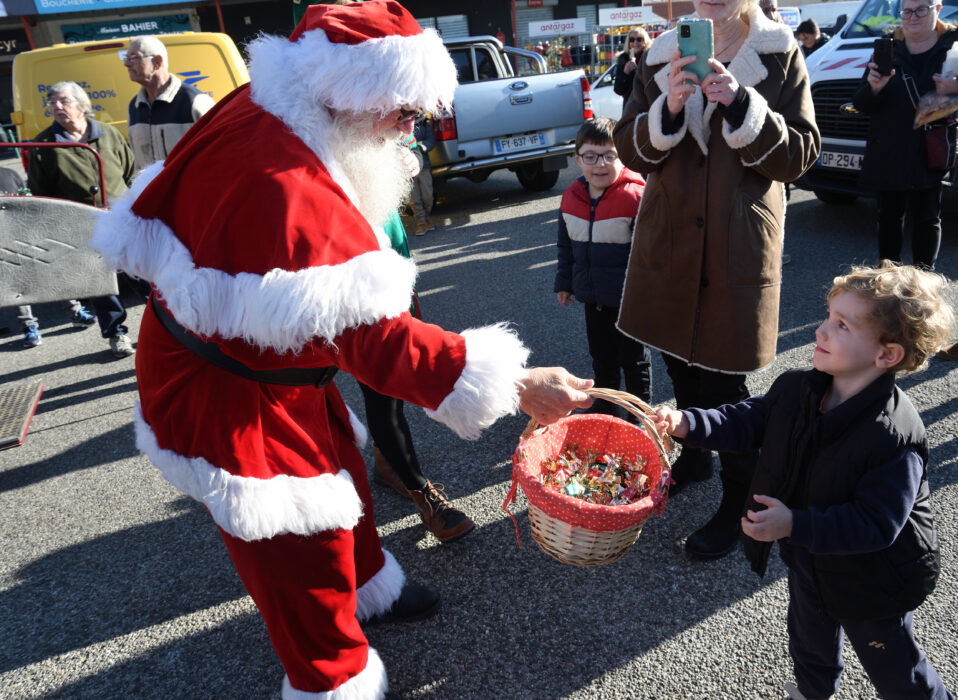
(289, 376)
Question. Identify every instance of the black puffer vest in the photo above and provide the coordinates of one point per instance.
(810, 459)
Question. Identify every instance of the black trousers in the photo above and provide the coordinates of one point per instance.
(924, 209)
(390, 433)
(886, 648)
(695, 387)
(615, 354)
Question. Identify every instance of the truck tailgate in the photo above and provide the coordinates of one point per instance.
(495, 108)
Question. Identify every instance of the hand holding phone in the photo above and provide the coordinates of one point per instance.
(882, 56)
(695, 39)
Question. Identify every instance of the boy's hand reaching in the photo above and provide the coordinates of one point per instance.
(669, 422)
(773, 523)
(565, 298)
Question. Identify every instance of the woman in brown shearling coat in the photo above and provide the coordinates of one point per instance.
(705, 268)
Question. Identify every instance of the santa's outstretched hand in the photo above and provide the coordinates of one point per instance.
(549, 393)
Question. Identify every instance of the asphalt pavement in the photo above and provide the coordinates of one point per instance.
(114, 585)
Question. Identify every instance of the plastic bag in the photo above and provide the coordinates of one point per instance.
(932, 106)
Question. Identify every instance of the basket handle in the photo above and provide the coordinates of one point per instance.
(638, 408)
(634, 405)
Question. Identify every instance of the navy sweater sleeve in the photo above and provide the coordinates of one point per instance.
(883, 499)
(730, 428)
(564, 268)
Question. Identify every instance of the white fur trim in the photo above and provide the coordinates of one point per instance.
(378, 594)
(360, 434)
(281, 310)
(635, 142)
(657, 137)
(371, 682)
(685, 359)
(295, 81)
(764, 37)
(255, 509)
(488, 387)
(781, 139)
(752, 125)
(380, 74)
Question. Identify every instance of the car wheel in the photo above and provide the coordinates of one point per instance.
(534, 179)
(839, 198)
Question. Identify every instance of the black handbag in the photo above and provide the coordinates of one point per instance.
(941, 145)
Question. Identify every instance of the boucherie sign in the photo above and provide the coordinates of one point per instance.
(617, 16)
(555, 27)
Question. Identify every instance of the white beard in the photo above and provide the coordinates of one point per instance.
(374, 166)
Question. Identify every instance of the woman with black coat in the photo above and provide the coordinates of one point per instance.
(895, 165)
(627, 61)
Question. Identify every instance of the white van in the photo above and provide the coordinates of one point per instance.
(835, 74)
(827, 14)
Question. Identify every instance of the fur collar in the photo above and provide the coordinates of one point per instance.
(764, 37)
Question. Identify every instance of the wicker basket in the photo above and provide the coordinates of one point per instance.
(575, 531)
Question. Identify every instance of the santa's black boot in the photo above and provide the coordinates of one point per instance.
(416, 602)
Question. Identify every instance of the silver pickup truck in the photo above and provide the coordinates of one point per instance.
(524, 120)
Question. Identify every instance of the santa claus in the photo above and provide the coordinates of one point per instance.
(262, 237)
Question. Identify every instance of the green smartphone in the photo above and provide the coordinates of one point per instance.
(695, 39)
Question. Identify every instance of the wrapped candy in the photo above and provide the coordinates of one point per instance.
(604, 479)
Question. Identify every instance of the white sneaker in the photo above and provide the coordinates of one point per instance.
(121, 346)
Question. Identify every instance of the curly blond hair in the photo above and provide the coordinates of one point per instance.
(908, 308)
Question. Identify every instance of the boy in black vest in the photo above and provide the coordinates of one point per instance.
(842, 483)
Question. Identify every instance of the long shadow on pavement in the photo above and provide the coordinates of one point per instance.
(116, 584)
(111, 446)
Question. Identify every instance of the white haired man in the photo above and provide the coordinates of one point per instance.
(165, 108)
(263, 238)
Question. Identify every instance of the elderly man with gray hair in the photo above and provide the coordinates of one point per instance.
(165, 108)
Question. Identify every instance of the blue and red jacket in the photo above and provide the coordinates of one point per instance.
(595, 239)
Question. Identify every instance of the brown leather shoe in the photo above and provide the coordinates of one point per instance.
(385, 475)
(949, 353)
(445, 521)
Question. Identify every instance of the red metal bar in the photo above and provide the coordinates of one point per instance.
(219, 16)
(26, 28)
(99, 160)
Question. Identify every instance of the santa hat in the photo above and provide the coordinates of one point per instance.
(362, 57)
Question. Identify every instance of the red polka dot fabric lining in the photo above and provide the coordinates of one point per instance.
(597, 432)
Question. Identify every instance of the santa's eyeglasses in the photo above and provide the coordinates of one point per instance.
(405, 113)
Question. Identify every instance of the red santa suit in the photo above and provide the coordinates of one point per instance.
(251, 239)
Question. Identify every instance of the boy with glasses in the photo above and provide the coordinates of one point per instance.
(596, 218)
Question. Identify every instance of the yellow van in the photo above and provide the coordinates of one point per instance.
(207, 60)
